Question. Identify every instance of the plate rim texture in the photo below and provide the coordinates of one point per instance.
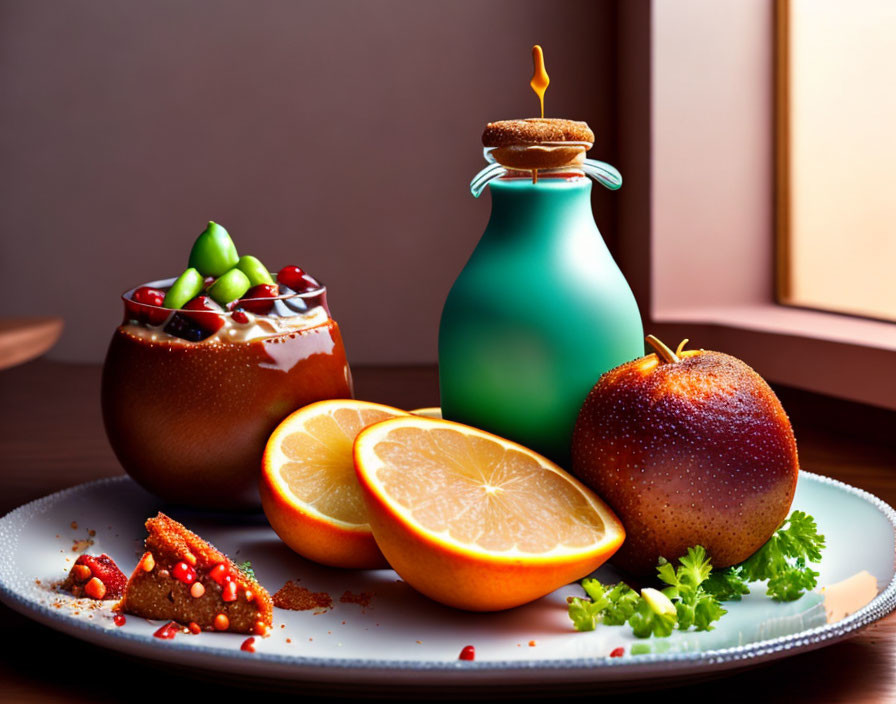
(407, 672)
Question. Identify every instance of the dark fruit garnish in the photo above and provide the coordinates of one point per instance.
(205, 313)
(296, 279)
(260, 299)
(181, 326)
(240, 317)
(145, 305)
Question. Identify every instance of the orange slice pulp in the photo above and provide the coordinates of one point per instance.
(475, 521)
(308, 488)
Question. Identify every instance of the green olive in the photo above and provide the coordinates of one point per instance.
(213, 252)
(229, 287)
(256, 272)
(187, 286)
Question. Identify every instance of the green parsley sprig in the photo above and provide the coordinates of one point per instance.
(695, 592)
(782, 562)
(683, 604)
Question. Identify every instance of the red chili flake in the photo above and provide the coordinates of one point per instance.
(248, 645)
(195, 628)
(119, 620)
(168, 631)
(617, 652)
(468, 653)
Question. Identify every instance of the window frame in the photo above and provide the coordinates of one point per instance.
(699, 211)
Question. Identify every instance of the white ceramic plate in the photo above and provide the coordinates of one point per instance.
(402, 638)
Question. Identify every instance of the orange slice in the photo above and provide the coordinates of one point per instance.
(475, 521)
(308, 487)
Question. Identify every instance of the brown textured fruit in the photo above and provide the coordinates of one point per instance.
(688, 448)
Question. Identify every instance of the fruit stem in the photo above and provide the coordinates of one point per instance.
(681, 346)
(663, 352)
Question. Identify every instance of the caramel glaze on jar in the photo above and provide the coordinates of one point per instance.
(189, 421)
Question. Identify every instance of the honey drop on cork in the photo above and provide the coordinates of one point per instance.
(540, 80)
(539, 83)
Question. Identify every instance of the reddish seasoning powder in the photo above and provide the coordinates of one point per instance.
(468, 653)
(617, 652)
(248, 645)
(295, 598)
(168, 631)
(119, 620)
(362, 599)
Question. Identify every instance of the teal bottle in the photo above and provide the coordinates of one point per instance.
(539, 312)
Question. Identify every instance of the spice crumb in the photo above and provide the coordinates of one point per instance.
(295, 598)
(531, 643)
(289, 640)
(74, 525)
(362, 599)
(81, 545)
(419, 642)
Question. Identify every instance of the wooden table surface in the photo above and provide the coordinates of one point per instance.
(51, 437)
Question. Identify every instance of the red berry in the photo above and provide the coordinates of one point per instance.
(240, 317)
(617, 652)
(203, 311)
(290, 275)
(468, 653)
(184, 572)
(150, 296)
(228, 593)
(119, 620)
(297, 280)
(145, 305)
(219, 574)
(260, 299)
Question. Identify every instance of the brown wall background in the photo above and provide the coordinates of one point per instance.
(340, 136)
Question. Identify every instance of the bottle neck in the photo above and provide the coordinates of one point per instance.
(546, 208)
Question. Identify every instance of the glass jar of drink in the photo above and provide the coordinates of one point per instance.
(191, 396)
